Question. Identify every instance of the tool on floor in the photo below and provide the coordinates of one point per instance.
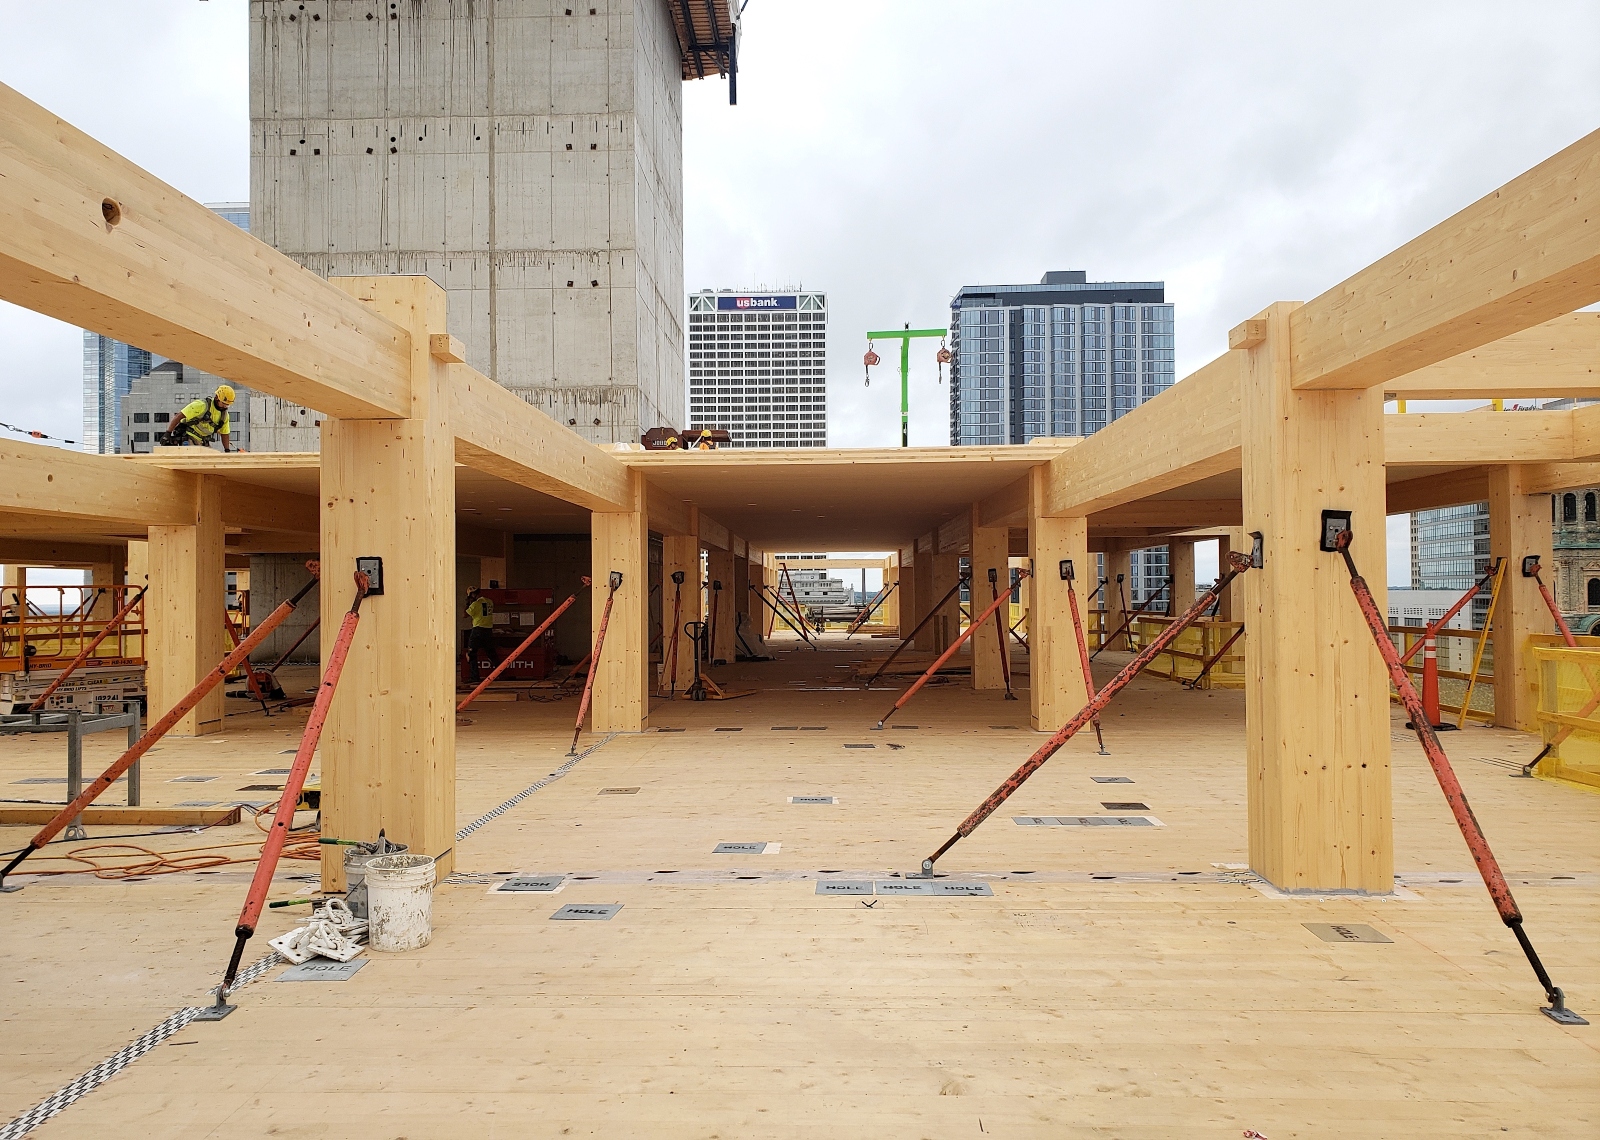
(669, 654)
(1336, 537)
(1238, 564)
(740, 619)
(270, 673)
(1002, 624)
(1068, 577)
(1530, 569)
(703, 688)
(1128, 621)
(871, 608)
(991, 612)
(252, 681)
(912, 636)
(284, 818)
(84, 654)
(519, 650)
(156, 731)
(1205, 666)
(594, 660)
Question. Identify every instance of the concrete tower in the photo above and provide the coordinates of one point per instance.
(526, 155)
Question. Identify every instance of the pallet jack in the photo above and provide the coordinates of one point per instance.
(703, 688)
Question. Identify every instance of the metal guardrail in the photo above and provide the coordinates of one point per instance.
(1568, 711)
(77, 725)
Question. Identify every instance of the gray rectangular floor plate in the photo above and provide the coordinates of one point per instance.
(1104, 821)
(1034, 820)
(670, 730)
(530, 883)
(618, 791)
(273, 772)
(727, 730)
(322, 970)
(923, 887)
(1120, 806)
(835, 888)
(811, 799)
(1111, 779)
(261, 788)
(786, 728)
(738, 849)
(194, 779)
(50, 780)
(586, 912)
(861, 746)
(1344, 932)
(198, 803)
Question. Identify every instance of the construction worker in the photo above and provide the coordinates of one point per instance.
(481, 636)
(202, 419)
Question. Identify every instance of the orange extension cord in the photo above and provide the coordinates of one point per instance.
(131, 860)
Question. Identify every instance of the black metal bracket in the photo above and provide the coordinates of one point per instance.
(1530, 566)
(373, 569)
(1066, 569)
(1334, 523)
(616, 579)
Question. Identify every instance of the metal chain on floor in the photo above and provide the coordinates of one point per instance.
(74, 1090)
(69, 1093)
(497, 812)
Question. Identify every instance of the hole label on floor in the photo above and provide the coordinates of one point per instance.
(586, 912)
(618, 791)
(322, 970)
(1111, 779)
(194, 779)
(1345, 932)
(1120, 806)
(812, 800)
(849, 888)
(746, 849)
(924, 887)
(518, 884)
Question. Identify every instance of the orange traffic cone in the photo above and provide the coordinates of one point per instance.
(1430, 686)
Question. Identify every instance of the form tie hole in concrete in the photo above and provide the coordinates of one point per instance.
(111, 211)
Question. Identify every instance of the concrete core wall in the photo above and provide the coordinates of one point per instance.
(529, 161)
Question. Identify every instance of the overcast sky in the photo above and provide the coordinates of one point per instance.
(890, 153)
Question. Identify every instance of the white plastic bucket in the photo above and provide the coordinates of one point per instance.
(399, 902)
(355, 870)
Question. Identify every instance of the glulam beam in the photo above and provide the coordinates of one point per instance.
(91, 239)
(1558, 358)
(1524, 254)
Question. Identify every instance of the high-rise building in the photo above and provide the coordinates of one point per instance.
(111, 370)
(1450, 551)
(526, 157)
(758, 367)
(1063, 357)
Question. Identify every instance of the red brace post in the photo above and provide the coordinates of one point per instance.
(156, 731)
(1002, 625)
(912, 636)
(1238, 564)
(518, 651)
(1083, 646)
(948, 653)
(278, 834)
(1455, 797)
(594, 660)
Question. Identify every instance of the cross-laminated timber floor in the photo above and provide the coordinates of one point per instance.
(1104, 993)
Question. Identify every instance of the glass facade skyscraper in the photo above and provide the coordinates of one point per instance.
(1063, 357)
(1450, 551)
(110, 368)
